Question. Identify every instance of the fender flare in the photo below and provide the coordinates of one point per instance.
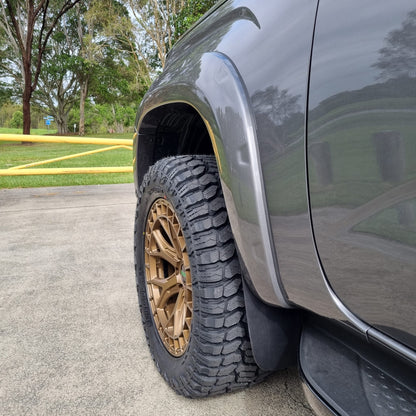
(214, 88)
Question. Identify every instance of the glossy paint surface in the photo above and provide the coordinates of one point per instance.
(276, 76)
(202, 74)
(362, 158)
(245, 70)
(258, 136)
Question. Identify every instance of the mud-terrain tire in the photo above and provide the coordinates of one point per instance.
(188, 280)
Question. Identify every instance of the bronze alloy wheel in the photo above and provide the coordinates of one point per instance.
(188, 274)
(168, 277)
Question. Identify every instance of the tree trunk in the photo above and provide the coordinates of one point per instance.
(26, 114)
(83, 97)
(118, 126)
(61, 116)
(27, 95)
(62, 126)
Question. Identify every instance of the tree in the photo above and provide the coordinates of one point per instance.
(5, 92)
(154, 21)
(113, 70)
(103, 55)
(190, 14)
(158, 25)
(398, 57)
(11, 68)
(146, 33)
(58, 86)
(116, 86)
(127, 39)
(28, 25)
(278, 113)
(88, 54)
(85, 60)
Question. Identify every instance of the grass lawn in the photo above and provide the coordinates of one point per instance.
(14, 154)
(7, 130)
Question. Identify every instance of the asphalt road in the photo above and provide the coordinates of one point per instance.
(71, 338)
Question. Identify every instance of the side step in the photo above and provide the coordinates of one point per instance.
(354, 378)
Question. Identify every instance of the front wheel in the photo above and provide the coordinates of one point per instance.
(188, 280)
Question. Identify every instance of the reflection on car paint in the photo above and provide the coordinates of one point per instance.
(362, 171)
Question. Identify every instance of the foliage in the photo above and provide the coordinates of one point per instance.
(91, 61)
(58, 85)
(105, 118)
(6, 112)
(26, 27)
(6, 92)
(158, 25)
(17, 120)
(190, 14)
(398, 57)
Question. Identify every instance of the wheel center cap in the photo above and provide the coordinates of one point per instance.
(183, 274)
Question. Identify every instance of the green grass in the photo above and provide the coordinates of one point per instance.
(14, 154)
(7, 130)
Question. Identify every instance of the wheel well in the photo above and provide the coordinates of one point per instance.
(178, 130)
(170, 130)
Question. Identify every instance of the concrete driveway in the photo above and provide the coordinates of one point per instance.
(71, 338)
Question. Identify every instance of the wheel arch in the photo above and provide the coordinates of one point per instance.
(213, 116)
(202, 106)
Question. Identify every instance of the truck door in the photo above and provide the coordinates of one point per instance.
(361, 152)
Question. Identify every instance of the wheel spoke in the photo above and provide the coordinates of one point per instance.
(165, 284)
(165, 250)
(179, 314)
(167, 288)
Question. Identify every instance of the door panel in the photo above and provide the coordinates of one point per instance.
(361, 154)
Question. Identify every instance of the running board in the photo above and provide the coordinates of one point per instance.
(354, 378)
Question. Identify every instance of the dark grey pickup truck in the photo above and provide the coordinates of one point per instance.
(275, 169)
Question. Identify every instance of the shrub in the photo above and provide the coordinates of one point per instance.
(17, 120)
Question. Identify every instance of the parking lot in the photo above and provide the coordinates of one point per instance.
(71, 337)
